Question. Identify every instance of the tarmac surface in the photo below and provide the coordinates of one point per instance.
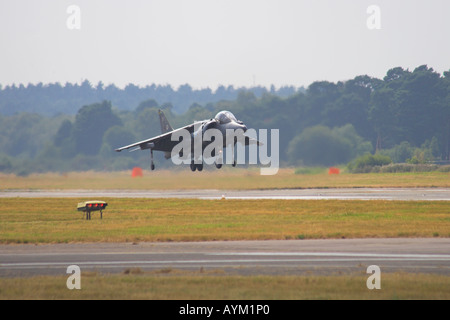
(407, 194)
(275, 257)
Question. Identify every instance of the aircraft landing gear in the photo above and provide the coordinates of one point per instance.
(152, 165)
(219, 160)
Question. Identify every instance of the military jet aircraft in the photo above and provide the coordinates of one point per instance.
(224, 121)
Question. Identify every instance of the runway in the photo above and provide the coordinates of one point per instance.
(280, 257)
(405, 194)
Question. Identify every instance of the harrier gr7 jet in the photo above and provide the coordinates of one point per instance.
(224, 122)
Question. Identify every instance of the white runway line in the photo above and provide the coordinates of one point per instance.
(338, 254)
(333, 257)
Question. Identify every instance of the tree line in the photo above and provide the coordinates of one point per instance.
(54, 98)
(405, 116)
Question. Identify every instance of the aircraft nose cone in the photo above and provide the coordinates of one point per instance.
(244, 127)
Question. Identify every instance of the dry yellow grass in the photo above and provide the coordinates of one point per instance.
(226, 178)
(56, 220)
(223, 287)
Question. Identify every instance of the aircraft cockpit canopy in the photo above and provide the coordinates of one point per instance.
(225, 117)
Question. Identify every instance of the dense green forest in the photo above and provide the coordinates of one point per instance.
(404, 117)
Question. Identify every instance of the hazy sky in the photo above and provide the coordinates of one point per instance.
(213, 42)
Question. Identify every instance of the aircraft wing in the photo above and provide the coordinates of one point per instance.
(162, 142)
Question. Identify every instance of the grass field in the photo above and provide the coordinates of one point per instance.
(226, 178)
(56, 220)
(205, 287)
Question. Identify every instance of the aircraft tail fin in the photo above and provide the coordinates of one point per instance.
(165, 125)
